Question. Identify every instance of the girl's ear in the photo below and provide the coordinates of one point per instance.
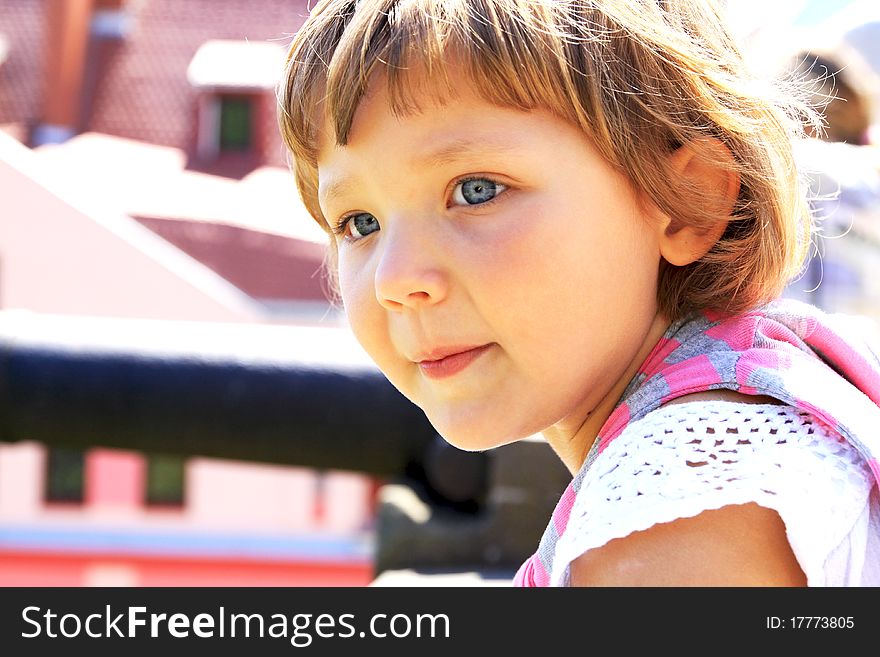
(706, 171)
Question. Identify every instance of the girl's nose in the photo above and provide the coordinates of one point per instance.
(409, 274)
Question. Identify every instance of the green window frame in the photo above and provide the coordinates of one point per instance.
(236, 123)
(165, 480)
(65, 475)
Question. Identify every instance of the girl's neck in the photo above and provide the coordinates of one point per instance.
(572, 441)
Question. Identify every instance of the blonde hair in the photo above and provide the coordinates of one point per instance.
(639, 77)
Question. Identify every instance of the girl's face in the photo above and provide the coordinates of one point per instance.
(497, 269)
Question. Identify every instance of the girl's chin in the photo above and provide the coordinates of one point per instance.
(474, 441)
(476, 426)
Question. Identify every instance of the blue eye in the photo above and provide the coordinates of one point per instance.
(359, 225)
(475, 191)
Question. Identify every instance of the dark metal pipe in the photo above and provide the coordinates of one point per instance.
(279, 394)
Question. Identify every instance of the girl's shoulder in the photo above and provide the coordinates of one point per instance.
(719, 460)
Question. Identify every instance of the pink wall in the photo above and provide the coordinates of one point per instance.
(21, 481)
(71, 255)
(221, 495)
(115, 479)
(257, 526)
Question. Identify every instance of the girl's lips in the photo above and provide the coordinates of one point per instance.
(453, 363)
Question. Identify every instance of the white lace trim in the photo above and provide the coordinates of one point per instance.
(687, 458)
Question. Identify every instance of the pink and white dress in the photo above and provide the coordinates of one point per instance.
(813, 458)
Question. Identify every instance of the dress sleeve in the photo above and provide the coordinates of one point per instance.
(683, 459)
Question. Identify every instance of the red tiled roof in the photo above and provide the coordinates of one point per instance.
(144, 93)
(263, 265)
(23, 26)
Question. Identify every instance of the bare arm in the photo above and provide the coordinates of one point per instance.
(737, 545)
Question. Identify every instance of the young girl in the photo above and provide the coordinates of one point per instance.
(572, 217)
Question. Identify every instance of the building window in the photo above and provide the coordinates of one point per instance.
(235, 123)
(234, 81)
(165, 480)
(64, 475)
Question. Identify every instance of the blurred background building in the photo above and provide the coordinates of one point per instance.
(142, 176)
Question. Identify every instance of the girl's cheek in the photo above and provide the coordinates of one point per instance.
(358, 300)
(345, 279)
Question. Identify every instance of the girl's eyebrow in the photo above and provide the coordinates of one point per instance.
(448, 152)
(334, 188)
(458, 149)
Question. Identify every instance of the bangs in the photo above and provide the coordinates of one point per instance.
(517, 58)
(510, 58)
